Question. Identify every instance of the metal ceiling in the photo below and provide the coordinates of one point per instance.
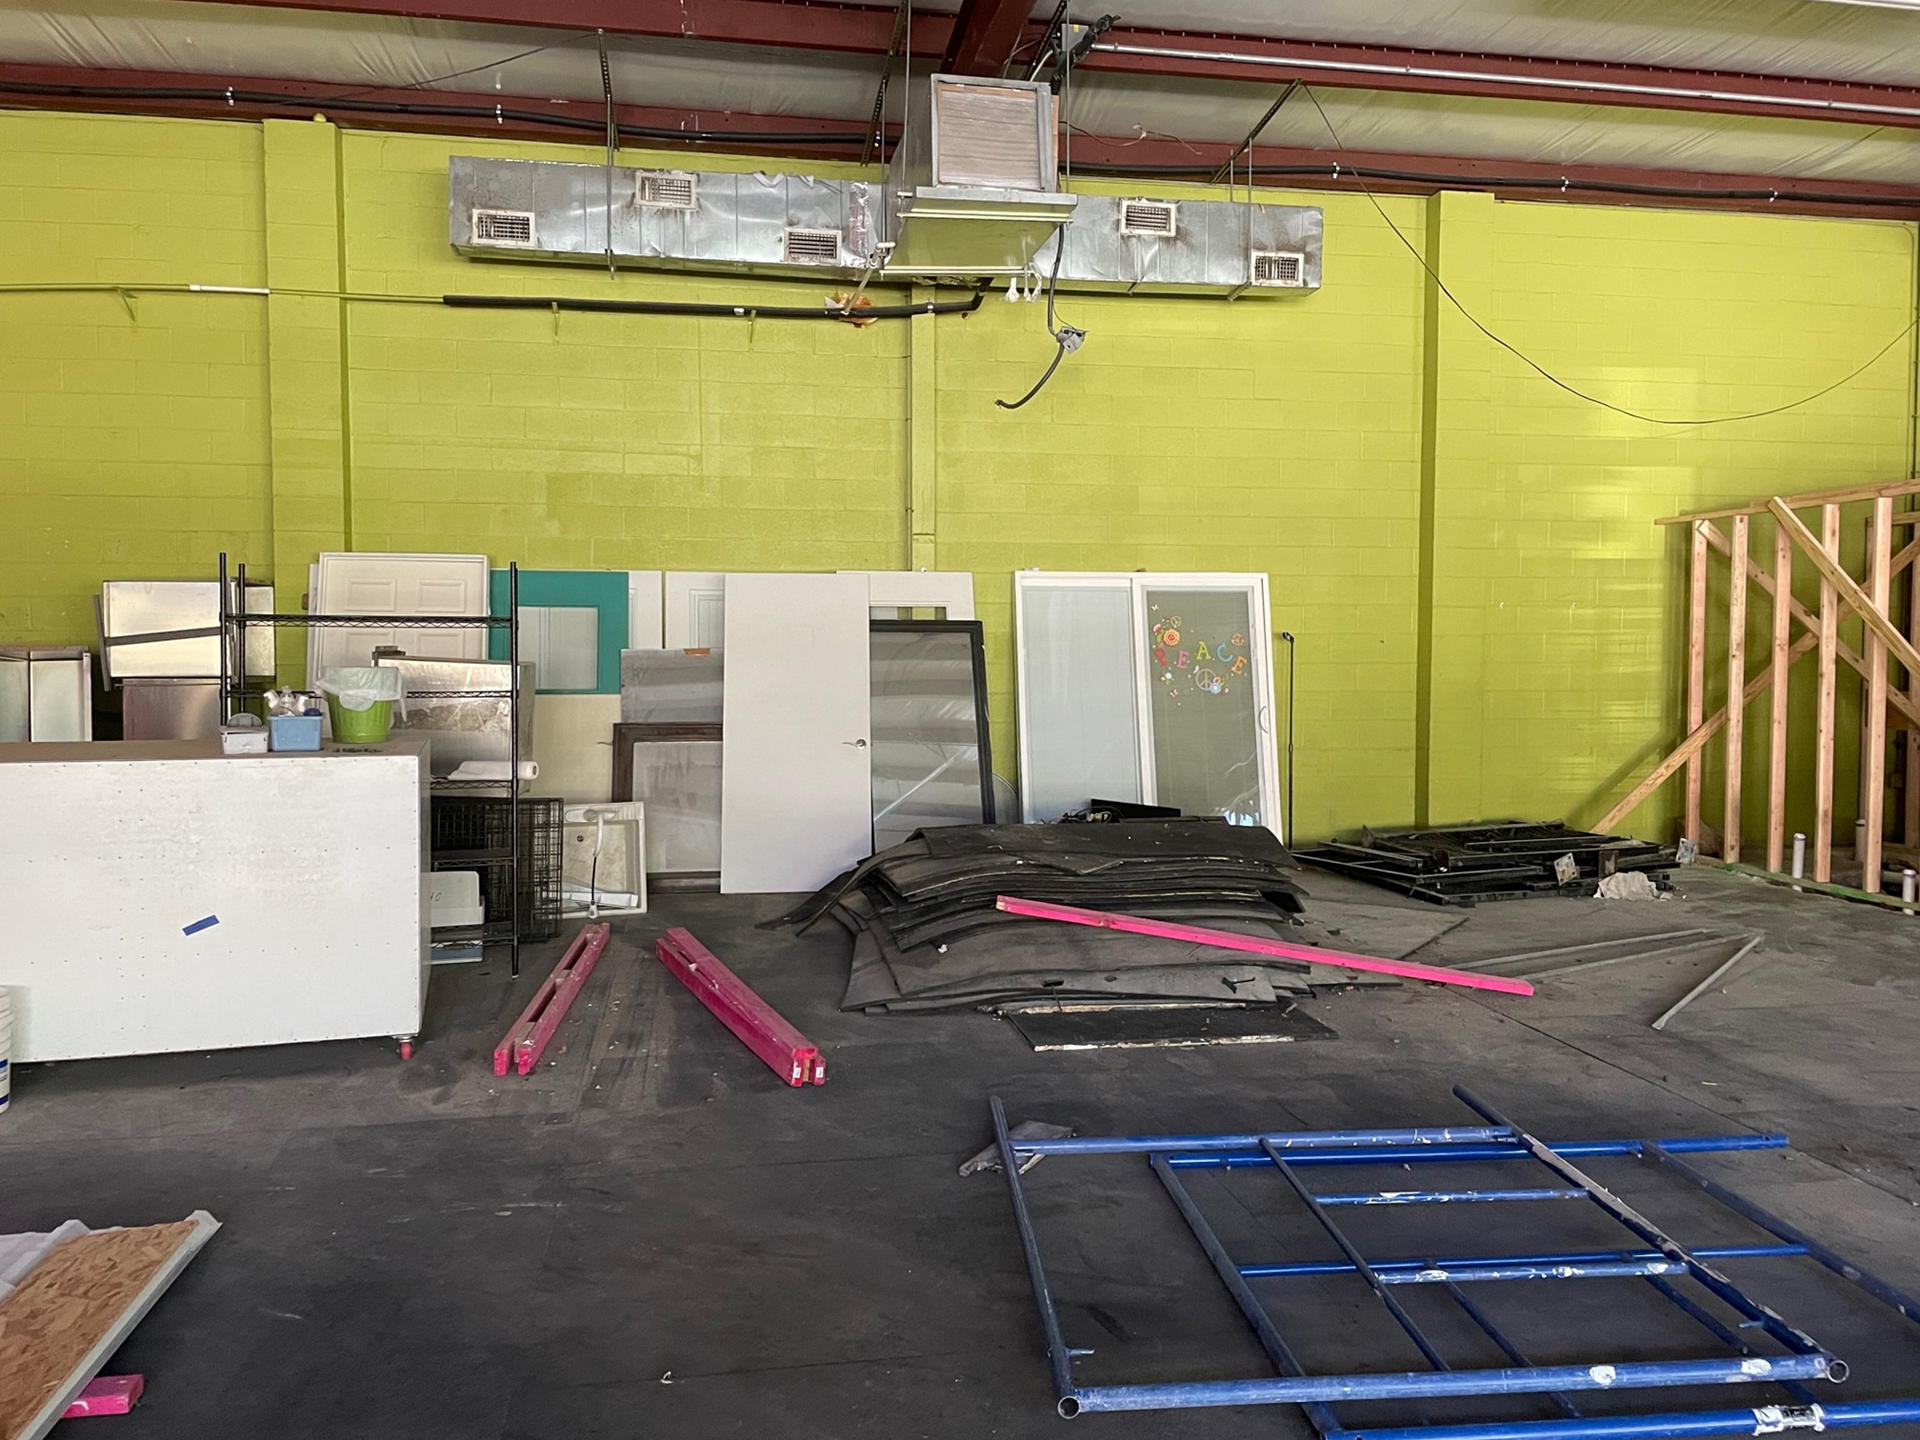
(1761, 95)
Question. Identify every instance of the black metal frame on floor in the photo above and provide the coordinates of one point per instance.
(236, 694)
(1654, 1258)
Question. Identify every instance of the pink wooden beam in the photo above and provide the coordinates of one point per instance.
(758, 1025)
(528, 1039)
(1279, 949)
(106, 1395)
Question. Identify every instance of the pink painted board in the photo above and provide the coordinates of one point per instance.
(756, 1024)
(106, 1395)
(527, 1039)
(1252, 945)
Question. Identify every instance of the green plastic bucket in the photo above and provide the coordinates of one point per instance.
(360, 727)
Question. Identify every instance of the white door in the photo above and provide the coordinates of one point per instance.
(796, 785)
(399, 585)
(696, 610)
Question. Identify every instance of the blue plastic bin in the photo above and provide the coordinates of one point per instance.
(294, 732)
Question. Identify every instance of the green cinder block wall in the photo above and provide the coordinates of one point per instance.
(1487, 617)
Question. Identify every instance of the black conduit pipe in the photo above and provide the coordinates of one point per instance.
(715, 311)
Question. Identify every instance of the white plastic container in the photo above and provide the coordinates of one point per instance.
(6, 1047)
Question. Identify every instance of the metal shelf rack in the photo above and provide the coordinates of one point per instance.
(236, 694)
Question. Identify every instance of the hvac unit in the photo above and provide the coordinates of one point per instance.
(511, 229)
(973, 188)
(918, 226)
(667, 189)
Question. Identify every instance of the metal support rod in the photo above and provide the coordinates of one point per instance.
(1331, 1147)
(1347, 1248)
(1436, 1384)
(1795, 1340)
(1551, 1261)
(1445, 1197)
(1729, 1338)
(1558, 950)
(1885, 1293)
(1507, 1347)
(1264, 1330)
(1620, 959)
(513, 761)
(1058, 1360)
(1226, 170)
(1707, 984)
(1761, 1420)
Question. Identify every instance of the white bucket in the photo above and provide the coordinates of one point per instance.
(6, 1047)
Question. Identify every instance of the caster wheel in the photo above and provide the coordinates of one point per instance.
(406, 1049)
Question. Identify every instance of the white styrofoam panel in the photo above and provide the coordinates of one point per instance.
(311, 864)
(949, 590)
(645, 617)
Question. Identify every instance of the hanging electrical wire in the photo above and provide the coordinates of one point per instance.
(1066, 338)
(1555, 380)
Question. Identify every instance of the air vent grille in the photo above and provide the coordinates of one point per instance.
(988, 135)
(668, 189)
(1279, 267)
(813, 247)
(503, 227)
(1157, 218)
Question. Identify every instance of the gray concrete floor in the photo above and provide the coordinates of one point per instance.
(653, 1237)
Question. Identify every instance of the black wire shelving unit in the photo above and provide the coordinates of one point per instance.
(236, 694)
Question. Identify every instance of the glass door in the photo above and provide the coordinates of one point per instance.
(1157, 688)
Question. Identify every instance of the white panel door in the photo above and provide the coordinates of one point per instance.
(796, 785)
(696, 610)
(352, 583)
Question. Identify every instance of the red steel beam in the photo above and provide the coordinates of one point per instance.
(867, 29)
(811, 138)
(985, 35)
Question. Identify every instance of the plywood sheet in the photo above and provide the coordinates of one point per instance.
(55, 1319)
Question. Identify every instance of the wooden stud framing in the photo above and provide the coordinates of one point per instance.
(1873, 758)
(1883, 642)
(1823, 704)
(1736, 689)
(1777, 708)
(1910, 819)
(1696, 670)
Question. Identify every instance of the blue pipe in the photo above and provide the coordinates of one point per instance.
(1282, 1358)
(1394, 1307)
(1280, 1139)
(1445, 1197)
(1794, 1339)
(1393, 1268)
(1887, 1294)
(1673, 1426)
(1058, 1358)
(1434, 1384)
(1592, 1270)
(1409, 1154)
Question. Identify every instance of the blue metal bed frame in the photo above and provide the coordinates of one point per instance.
(1654, 1257)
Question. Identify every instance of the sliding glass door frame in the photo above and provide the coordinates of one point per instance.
(1136, 585)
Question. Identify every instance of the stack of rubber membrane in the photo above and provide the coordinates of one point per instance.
(927, 936)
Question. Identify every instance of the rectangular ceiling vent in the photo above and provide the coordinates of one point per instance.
(512, 228)
(1287, 268)
(667, 189)
(1155, 219)
(812, 247)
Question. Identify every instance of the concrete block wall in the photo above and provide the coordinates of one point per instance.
(1486, 615)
